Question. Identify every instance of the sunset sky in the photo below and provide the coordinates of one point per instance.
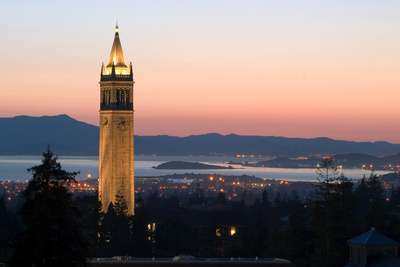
(274, 68)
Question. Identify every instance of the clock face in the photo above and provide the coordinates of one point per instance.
(105, 121)
(122, 124)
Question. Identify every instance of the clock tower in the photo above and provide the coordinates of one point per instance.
(116, 156)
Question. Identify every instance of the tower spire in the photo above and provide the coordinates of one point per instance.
(117, 56)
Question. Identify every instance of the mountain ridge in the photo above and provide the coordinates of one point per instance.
(27, 135)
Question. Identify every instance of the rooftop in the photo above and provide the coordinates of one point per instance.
(373, 238)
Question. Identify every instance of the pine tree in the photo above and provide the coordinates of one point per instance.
(90, 206)
(8, 228)
(298, 237)
(53, 233)
(334, 217)
(377, 214)
(276, 238)
(141, 243)
(115, 230)
(106, 234)
(255, 241)
(364, 198)
(265, 205)
(221, 198)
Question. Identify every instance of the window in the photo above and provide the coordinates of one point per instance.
(233, 230)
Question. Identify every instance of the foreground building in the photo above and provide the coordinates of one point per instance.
(116, 158)
(373, 249)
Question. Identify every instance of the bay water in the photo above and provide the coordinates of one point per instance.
(14, 168)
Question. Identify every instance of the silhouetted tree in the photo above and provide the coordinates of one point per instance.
(364, 198)
(141, 244)
(394, 199)
(174, 238)
(276, 239)
(172, 202)
(221, 198)
(198, 196)
(392, 229)
(8, 228)
(377, 214)
(266, 205)
(139, 201)
(154, 200)
(334, 217)
(106, 234)
(115, 230)
(255, 241)
(298, 236)
(90, 206)
(53, 234)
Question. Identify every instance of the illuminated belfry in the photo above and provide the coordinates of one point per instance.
(116, 156)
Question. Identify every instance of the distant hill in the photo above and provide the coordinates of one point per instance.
(345, 161)
(24, 135)
(232, 144)
(175, 165)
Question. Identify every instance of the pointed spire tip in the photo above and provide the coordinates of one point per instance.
(117, 56)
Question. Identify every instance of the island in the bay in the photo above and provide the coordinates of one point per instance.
(189, 166)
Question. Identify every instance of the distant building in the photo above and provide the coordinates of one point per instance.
(227, 225)
(116, 158)
(373, 249)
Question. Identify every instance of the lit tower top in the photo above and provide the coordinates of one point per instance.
(116, 59)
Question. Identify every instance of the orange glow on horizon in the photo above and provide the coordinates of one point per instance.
(294, 71)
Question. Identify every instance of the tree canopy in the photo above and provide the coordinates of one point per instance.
(53, 234)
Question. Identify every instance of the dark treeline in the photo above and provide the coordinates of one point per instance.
(309, 232)
(47, 229)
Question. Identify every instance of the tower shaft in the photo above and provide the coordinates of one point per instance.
(116, 148)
